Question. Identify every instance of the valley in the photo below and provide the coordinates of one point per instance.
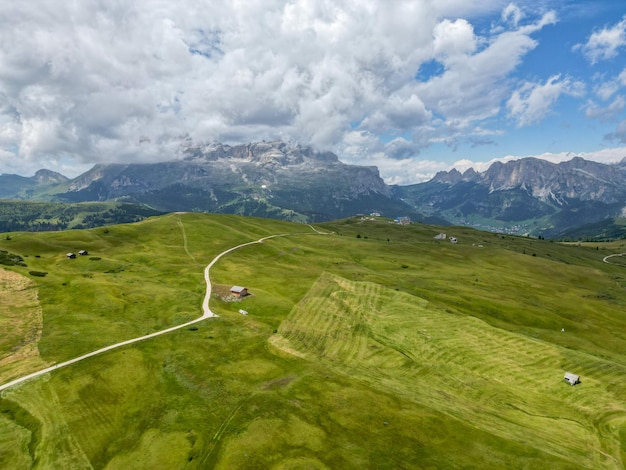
(375, 346)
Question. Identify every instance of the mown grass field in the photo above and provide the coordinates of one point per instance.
(373, 347)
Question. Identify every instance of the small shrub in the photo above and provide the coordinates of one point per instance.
(95, 258)
(37, 273)
(115, 270)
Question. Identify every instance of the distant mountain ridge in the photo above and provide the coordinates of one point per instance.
(293, 182)
(529, 195)
(268, 179)
(573, 179)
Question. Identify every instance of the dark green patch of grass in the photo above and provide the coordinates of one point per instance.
(11, 259)
(38, 273)
(20, 416)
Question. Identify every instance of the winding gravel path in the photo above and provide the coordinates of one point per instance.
(207, 313)
(605, 259)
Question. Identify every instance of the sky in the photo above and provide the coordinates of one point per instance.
(410, 86)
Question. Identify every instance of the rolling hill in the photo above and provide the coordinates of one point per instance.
(375, 346)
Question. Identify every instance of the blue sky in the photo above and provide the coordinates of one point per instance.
(560, 51)
(410, 86)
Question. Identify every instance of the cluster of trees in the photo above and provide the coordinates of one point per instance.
(123, 214)
(43, 216)
(11, 259)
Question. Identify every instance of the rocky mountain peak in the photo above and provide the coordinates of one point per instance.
(525, 173)
(261, 153)
(48, 176)
(557, 182)
(448, 177)
(469, 174)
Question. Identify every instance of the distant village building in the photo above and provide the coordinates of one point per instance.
(83, 252)
(239, 291)
(375, 214)
(453, 240)
(71, 255)
(402, 220)
(441, 236)
(573, 379)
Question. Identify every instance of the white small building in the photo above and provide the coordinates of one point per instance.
(573, 379)
(453, 240)
(242, 311)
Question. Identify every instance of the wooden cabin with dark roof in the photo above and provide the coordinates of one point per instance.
(239, 291)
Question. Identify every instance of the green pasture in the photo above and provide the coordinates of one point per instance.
(505, 383)
(374, 346)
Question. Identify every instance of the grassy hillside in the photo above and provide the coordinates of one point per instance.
(374, 347)
(503, 383)
(50, 216)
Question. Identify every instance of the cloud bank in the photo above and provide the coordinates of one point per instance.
(377, 82)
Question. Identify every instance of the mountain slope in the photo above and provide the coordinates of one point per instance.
(269, 179)
(524, 196)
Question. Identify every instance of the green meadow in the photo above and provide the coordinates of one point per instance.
(371, 346)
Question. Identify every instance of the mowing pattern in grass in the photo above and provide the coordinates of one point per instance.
(49, 444)
(21, 323)
(502, 382)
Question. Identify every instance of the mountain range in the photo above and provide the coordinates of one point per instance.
(526, 196)
(298, 183)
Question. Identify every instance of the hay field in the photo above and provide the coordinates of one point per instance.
(501, 382)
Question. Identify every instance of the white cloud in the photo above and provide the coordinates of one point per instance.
(453, 39)
(605, 43)
(93, 81)
(410, 171)
(473, 86)
(607, 89)
(512, 13)
(606, 113)
(533, 101)
(619, 135)
(479, 167)
(398, 113)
